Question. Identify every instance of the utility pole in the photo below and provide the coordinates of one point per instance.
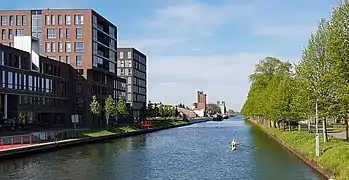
(317, 138)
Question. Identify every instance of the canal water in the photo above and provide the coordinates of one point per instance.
(199, 151)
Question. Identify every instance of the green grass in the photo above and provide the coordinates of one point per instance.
(126, 128)
(334, 154)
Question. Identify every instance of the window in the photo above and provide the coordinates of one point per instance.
(53, 20)
(78, 33)
(78, 87)
(12, 21)
(3, 32)
(30, 83)
(24, 81)
(53, 47)
(94, 19)
(94, 61)
(129, 97)
(78, 61)
(60, 20)
(67, 33)
(67, 47)
(47, 85)
(51, 33)
(18, 20)
(122, 63)
(129, 55)
(112, 55)
(79, 19)
(79, 47)
(60, 47)
(111, 67)
(95, 48)
(60, 58)
(112, 43)
(19, 32)
(24, 20)
(67, 58)
(129, 62)
(67, 20)
(129, 88)
(60, 31)
(48, 47)
(2, 58)
(47, 20)
(121, 55)
(10, 79)
(3, 21)
(10, 34)
(3, 79)
(129, 80)
(126, 72)
(94, 34)
(16, 81)
(111, 31)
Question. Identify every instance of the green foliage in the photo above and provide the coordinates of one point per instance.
(110, 107)
(95, 107)
(121, 108)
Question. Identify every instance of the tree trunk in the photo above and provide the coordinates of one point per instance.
(309, 125)
(289, 125)
(346, 130)
(324, 129)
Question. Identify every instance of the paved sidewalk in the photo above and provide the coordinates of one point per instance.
(338, 135)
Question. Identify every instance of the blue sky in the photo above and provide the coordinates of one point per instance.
(211, 45)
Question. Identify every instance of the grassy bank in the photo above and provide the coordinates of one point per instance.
(126, 128)
(334, 154)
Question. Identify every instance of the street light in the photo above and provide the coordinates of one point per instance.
(317, 138)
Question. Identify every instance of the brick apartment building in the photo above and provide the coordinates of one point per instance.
(80, 38)
(132, 65)
(200, 106)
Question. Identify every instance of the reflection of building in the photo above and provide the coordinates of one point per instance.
(78, 37)
(200, 106)
(132, 65)
(221, 105)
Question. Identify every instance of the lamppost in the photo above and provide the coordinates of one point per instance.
(317, 138)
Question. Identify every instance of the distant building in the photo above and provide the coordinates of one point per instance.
(200, 106)
(221, 104)
(132, 65)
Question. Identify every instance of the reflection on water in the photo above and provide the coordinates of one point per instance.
(199, 151)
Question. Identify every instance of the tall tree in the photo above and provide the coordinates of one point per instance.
(316, 68)
(338, 55)
(110, 108)
(121, 108)
(95, 108)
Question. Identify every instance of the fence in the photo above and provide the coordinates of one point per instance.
(39, 137)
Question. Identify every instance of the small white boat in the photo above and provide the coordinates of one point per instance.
(233, 148)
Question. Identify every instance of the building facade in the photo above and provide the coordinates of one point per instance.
(132, 65)
(80, 38)
(36, 98)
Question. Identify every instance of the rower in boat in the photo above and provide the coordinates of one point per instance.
(233, 145)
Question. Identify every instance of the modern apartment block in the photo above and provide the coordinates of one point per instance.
(79, 37)
(132, 65)
(36, 98)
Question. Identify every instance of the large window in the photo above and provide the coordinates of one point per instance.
(79, 47)
(78, 61)
(19, 32)
(67, 20)
(78, 33)
(51, 33)
(2, 58)
(24, 81)
(47, 86)
(79, 19)
(10, 79)
(3, 79)
(3, 21)
(67, 47)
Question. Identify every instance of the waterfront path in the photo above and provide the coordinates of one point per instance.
(198, 151)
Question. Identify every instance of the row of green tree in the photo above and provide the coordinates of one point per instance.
(281, 91)
(158, 110)
(111, 109)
